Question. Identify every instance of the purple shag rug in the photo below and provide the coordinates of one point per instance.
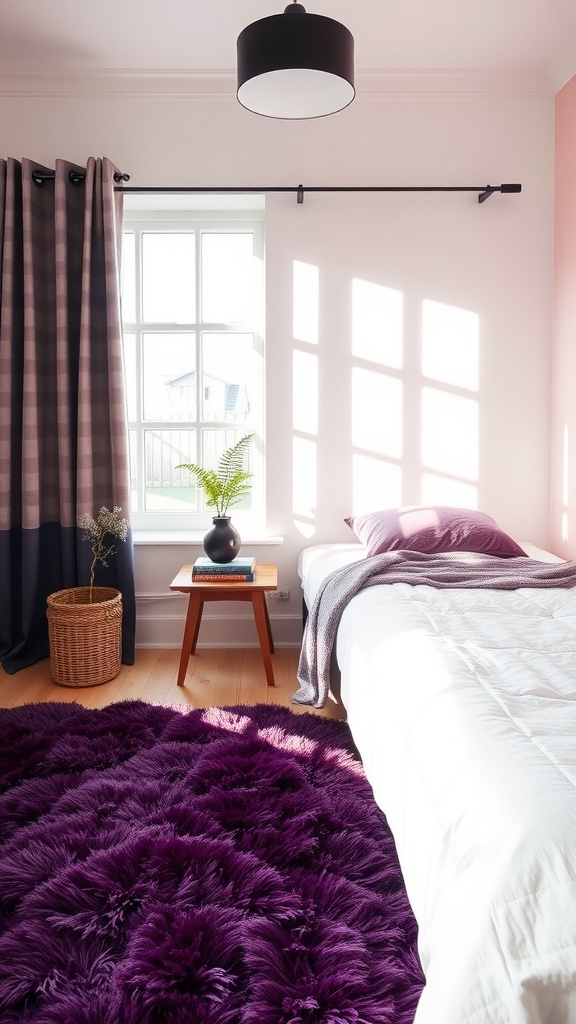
(210, 866)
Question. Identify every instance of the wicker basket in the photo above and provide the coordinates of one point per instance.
(85, 635)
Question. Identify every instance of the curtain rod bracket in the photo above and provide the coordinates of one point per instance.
(300, 194)
(488, 191)
(491, 189)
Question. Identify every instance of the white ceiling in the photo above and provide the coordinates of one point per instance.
(198, 35)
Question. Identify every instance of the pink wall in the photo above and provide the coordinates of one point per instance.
(563, 395)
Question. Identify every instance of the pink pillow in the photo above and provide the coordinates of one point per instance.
(432, 529)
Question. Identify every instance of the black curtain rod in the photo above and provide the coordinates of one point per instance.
(484, 191)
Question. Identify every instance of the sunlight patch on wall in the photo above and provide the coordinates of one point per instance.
(450, 434)
(375, 484)
(377, 412)
(304, 478)
(377, 398)
(305, 402)
(450, 345)
(441, 490)
(307, 530)
(377, 323)
(305, 392)
(305, 314)
(450, 445)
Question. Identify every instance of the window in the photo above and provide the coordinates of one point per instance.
(192, 298)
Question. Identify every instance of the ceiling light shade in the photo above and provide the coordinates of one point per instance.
(295, 65)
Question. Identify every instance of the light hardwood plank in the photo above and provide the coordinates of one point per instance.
(225, 678)
(105, 693)
(216, 677)
(134, 677)
(253, 683)
(28, 686)
(161, 682)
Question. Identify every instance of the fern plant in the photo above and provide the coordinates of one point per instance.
(228, 484)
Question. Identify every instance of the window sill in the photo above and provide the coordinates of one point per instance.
(178, 538)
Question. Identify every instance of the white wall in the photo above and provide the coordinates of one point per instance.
(494, 260)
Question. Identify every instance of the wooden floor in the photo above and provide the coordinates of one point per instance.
(215, 678)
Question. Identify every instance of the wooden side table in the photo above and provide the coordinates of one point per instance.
(265, 578)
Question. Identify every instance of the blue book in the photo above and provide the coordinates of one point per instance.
(241, 565)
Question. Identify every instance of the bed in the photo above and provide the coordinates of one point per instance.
(462, 703)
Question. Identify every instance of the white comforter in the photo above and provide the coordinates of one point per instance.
(463, 707)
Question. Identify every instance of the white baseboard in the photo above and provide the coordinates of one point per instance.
(143, 645)
(157, 627)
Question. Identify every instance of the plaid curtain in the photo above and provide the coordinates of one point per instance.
(63, 436)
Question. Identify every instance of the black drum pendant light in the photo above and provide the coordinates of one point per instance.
(295, 65)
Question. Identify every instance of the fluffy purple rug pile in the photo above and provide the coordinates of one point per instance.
(213, 866)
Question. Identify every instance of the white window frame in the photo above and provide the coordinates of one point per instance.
(198, 220)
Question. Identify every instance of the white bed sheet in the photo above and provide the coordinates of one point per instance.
(463, 706)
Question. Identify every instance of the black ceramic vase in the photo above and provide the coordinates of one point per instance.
(222, 542)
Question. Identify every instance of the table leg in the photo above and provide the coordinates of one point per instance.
(193, 617)
(264, 633)
(268, 627)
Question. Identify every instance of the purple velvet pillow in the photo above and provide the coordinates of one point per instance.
(432, 529)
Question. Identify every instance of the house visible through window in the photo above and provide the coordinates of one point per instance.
(192, 309)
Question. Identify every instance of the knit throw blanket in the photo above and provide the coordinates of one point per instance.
(455, 569)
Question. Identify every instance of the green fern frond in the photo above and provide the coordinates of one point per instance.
(228, 484)
(232, 460)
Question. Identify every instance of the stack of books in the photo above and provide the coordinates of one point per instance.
(239, 570)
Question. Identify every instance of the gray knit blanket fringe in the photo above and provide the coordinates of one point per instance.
(455, 569)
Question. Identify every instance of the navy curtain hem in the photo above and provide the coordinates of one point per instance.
(35, 564)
